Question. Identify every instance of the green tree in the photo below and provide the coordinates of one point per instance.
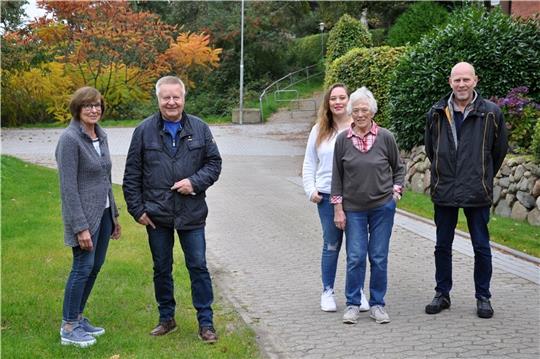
(417, 20)
(12, 13)
(347, 34)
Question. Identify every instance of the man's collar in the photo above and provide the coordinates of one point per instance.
(469, 105)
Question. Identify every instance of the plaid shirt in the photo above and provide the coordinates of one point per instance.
(364, 144)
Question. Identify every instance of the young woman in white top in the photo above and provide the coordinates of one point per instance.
(317, 177)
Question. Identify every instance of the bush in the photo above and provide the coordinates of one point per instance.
(371, 67)
(378, 37)
(416, 21)
(348, 33)
(36, 95)
(307, 51)
(536, 141)
(504, 51)
(521, 115)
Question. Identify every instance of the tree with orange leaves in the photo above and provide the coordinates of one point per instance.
(107, 45)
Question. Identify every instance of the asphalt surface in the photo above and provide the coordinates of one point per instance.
(264, 248)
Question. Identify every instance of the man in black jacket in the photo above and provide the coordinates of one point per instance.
(172, 160)
(466, 142)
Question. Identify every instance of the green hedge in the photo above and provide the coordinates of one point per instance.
(347, 34)
(536, 141)
(307, 50)
(416, 21)
(371, 67)
(504, 51)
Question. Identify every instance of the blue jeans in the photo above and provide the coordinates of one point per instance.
(368, 232)
(477, 221)
(85, 268)
(332, 239)
(193, 244)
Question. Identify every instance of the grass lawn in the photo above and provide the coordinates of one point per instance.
(506, 231)
(35, 265)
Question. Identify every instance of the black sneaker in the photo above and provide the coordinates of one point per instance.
(439, 302)
(483, 308)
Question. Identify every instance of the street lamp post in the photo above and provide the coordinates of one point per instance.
(321, 27)
(241, 112)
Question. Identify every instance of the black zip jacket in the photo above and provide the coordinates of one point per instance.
(463, 176)
(152, 169)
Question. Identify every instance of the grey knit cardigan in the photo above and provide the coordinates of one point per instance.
(85, 181)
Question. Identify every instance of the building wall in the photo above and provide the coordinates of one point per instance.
(521, 8)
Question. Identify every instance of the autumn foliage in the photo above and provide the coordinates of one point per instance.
(104, 44)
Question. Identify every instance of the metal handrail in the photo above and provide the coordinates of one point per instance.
(277, 82)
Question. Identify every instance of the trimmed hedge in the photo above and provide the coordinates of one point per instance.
(371, 67)
(536, 141)
(504, 51)
(306, 51)
(417, 20)
(347, 34)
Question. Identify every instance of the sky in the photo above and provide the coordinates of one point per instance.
(32, 10)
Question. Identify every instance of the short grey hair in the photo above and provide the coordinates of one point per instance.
(170, 80)
(362, 94)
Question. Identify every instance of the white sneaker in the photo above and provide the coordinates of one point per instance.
(364, 304)
(352, 313)
(328, 303)
(378, 313)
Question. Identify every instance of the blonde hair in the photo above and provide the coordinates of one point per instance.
(325, 118)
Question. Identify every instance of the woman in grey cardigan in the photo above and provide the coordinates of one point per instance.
(89, 211)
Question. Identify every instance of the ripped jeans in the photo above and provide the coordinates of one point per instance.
(332, 239)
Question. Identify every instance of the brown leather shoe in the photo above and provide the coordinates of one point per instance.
(208, 335)
(164, 328)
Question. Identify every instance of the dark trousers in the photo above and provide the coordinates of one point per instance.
(193, 244)
(85, 268)
(477, 220)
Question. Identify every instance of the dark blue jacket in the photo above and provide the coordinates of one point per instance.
(463, 177)
(151, 170)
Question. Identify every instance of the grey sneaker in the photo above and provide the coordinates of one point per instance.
(351, 315)
(90, 329)
(77, 336)
(378, 313)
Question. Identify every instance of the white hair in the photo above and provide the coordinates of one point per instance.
(170, 80)
(362, 94)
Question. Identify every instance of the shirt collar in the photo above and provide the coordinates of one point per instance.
(373, 130)
(468, 107)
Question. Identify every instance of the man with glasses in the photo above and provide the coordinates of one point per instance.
(172, 160)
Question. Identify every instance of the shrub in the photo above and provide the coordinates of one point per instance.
(504, 51)
(521, 115)
(378, 37)
(371, 67)
(37, 95)
(348, 33)
(307, 50)
(536, 141)
(416, 21)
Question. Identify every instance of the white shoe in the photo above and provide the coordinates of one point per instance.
(378, 313)
(328, 303)
(364, 304)
(351, 315)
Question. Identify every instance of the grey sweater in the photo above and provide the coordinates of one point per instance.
(366, 179)
(85, 181)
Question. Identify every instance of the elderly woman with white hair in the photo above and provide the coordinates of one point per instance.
(367, 181)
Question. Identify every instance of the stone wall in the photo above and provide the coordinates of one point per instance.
(516, 191)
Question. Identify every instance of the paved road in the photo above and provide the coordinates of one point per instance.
(264, 243)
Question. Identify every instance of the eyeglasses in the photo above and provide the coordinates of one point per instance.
(90, 106)
(168, 98)
(358, 111)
